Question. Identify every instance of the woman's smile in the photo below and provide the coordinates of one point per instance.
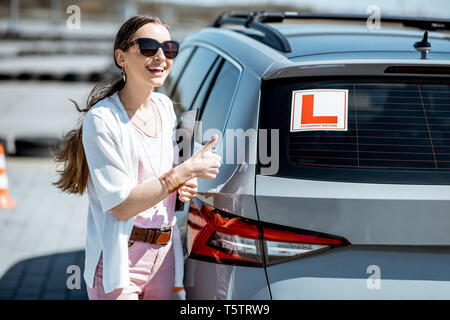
(156, 70)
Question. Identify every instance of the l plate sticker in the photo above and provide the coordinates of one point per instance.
(319, 110)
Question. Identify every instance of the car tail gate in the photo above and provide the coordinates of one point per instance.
(364, 159)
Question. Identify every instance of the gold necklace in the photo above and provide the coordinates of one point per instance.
(145, 121)
(142, 120)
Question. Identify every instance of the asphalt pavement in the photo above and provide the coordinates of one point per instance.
(42, 239)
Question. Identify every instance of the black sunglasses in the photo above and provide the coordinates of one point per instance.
(148, 47)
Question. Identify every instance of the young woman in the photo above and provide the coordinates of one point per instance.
(123, 155)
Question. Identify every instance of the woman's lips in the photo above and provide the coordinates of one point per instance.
(156, 72)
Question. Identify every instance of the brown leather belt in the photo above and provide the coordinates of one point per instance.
(155, 236)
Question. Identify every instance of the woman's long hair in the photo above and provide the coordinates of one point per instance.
(70, 153)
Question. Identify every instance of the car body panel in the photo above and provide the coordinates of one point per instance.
(363, 213)
(360, 39)
(369, 55)
(365, 272)
(301, 28)
(205, 280)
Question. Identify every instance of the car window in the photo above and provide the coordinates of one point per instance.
(177, 67)
(215, 111)
(206, 86)
(193, 75)
(398, 132)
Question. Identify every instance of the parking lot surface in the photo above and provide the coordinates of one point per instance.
(42, 237)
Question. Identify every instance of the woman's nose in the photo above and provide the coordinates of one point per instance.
(160, 54)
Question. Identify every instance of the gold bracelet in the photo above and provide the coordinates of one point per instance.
(170, 181)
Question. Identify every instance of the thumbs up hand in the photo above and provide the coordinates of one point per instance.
(205, 164)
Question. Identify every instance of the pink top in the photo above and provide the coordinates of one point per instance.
(162, 214)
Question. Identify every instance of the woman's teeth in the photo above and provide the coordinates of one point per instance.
(156, 70)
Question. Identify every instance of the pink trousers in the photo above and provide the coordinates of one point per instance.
(151, 274)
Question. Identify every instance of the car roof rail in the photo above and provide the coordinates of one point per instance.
(277, 40)
(255, 20)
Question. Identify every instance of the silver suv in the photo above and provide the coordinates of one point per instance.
(335, 141)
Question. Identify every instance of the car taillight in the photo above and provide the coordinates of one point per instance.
(220, 237)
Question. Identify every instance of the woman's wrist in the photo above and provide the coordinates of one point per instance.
(185, 171)
(170, 181)
(176, 177)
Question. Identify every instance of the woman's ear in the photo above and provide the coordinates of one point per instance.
(120, 58)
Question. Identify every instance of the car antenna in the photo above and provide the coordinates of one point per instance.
(423, 46)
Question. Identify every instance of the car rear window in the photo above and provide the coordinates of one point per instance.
(397, 132)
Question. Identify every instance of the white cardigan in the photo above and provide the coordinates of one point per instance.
(112, 151)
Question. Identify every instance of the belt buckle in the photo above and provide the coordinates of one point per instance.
(163, 237)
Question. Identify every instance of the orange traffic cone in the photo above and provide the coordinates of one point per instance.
(6, 202)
